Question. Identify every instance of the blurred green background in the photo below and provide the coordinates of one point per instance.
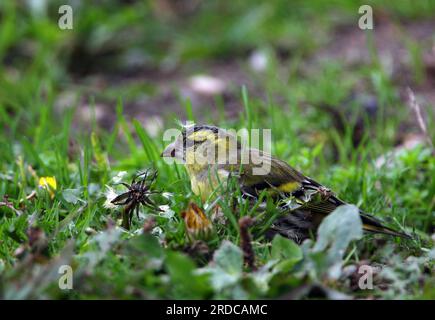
(146, 53)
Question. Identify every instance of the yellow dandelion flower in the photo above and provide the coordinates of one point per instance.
(48, 183)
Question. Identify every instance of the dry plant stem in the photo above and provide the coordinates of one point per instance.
(31, 196)
(127, 215)
(149, 225)
(413, 104)
(245, 242)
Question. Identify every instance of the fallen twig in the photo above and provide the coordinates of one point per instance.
(6, 203)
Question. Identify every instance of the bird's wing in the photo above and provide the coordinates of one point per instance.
(263, 171)
(298, 191)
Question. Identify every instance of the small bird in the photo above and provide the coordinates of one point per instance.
(212, 155)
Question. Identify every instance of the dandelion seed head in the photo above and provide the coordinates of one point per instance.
(118, 178)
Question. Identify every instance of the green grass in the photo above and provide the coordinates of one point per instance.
(38, 140)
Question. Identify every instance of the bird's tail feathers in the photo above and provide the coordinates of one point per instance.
(371, 224)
